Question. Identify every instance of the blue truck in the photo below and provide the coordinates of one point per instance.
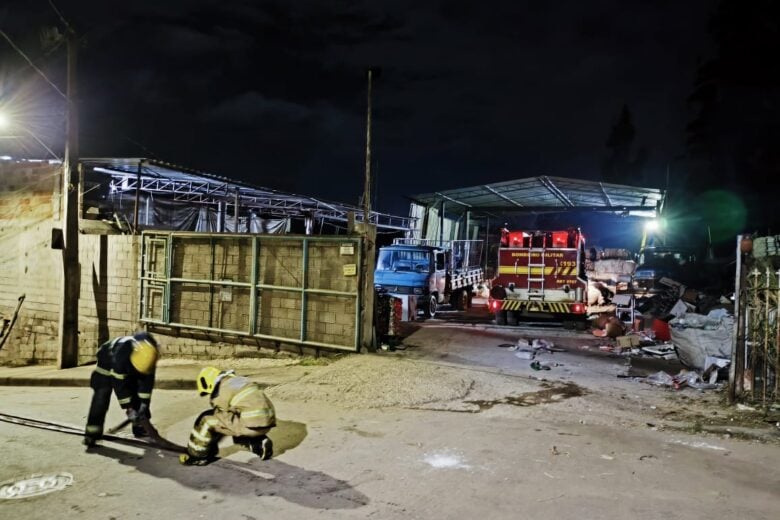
(428, 273)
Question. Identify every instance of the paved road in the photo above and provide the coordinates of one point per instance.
(582, 457)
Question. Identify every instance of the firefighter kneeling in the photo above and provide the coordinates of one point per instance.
(239, 408)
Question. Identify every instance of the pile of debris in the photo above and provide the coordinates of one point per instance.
(609, 274)
(667, 322)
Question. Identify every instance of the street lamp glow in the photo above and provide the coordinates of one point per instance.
(4, 121)
(652, 225)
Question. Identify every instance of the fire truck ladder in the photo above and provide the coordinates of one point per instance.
(535, 282)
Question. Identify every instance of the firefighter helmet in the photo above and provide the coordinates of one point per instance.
(207, 380)
(144, 355)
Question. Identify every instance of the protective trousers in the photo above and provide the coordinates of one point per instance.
(102, 387)
(101, 398)
(211, 426)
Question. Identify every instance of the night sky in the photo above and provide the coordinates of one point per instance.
(274, 92)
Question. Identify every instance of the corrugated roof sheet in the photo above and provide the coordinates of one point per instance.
(545, 193)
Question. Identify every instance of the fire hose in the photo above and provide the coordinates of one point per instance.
(156, 440)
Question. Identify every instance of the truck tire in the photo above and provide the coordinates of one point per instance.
(511, 318)
(430, 308)
(500, 317)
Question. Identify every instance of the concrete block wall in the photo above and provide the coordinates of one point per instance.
(108, 306)
(29, 209)
(331, 319)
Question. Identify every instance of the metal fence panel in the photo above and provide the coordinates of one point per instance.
(757, 340)
(297, 289)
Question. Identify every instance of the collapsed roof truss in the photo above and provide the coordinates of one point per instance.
(140, 175)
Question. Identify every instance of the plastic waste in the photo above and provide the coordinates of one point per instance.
(525, 354)
(536, 365)
(660, 378)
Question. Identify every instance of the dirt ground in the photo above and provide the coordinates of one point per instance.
(455, 425)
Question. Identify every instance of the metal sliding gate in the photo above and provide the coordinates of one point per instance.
(756, 357)
(286, 288)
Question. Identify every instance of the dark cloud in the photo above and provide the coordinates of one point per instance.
(470, 92)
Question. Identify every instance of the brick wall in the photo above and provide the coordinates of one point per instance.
(110, 270)
(29, 209)
(108, 306)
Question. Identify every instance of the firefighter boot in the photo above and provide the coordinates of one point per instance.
(263, 447)
(189, 460)
(260, 446)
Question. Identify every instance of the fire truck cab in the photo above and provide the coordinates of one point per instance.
(540, 274)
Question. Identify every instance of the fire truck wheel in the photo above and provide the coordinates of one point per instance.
(430, 309)
(511, 318)
(500, 317)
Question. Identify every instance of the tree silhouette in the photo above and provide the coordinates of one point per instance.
(621, 165)
(733, 139)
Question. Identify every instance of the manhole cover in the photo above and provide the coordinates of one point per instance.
(35, 485)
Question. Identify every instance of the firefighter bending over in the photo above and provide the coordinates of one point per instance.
(126, 366)
(239, 408)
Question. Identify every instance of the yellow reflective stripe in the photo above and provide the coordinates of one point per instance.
(92, 428)
(523, 270)
(118, 375)
(201, 437)
(125, 400)
(257, 413)
(211, 421)
(243, 393)
(195, 447)
(144, 395)
(103, 371)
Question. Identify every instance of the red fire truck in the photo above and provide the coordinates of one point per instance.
(540, 274)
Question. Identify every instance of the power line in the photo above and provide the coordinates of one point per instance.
(62, 18)
(34, 67)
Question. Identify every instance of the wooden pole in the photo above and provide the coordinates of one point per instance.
(67, 355)
(367, 184)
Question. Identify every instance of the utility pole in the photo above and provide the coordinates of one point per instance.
(367, 340)
(71, 272)
(367, 186)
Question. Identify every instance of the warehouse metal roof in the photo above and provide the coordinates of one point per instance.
(548, 194)
(189, 185)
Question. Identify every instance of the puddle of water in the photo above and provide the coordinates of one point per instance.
(550, 394)
(35, 485)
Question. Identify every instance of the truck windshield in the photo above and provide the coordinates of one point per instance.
(403, 260)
